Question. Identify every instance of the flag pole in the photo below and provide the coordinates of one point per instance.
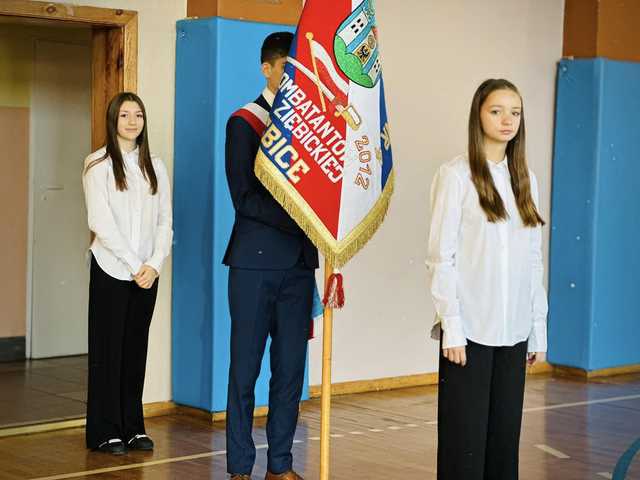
(325, 412)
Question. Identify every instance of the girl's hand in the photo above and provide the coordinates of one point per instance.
(146, 276)
(535, 357)
(457, 355)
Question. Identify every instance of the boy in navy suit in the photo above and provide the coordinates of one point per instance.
(271, 285)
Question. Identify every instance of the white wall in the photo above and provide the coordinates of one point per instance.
(435, 54)
(156, 85)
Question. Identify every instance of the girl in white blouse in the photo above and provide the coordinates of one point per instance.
(129, 212)
(485, 263)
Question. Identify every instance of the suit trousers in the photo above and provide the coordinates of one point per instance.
(480, 413)
(263, 303)
(119, 318)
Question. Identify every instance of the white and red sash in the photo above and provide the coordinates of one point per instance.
(255, 115)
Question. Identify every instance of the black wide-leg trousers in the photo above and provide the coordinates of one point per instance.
(480, 413)
(119, 318)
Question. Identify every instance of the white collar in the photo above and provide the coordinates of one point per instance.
(502, 164)
(269, 96)
(132, 155)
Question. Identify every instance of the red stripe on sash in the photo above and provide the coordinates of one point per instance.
(258, 125)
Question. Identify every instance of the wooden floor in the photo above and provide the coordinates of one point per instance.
(37, 391)
(572, 430)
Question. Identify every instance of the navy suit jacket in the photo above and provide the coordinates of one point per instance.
(264, 236)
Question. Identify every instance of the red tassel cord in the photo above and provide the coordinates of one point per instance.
(334, 291)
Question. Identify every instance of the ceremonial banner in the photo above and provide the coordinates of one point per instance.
(326, 154)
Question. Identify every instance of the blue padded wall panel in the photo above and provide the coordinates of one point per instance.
(193, 257)
(616, 321)
(573, 202)
(239, 82)
(594, 264)
(217, 71)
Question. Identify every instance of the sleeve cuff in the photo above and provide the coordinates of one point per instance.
(453, 333)
(538, 338)
(155, 263)
(133, 263)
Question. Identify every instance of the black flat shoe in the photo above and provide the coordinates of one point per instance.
(140, 442)
(115, 446)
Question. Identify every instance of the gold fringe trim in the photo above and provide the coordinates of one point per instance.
(337, 253)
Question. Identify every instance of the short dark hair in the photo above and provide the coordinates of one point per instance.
(276, 45)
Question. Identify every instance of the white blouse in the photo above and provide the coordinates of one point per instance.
(486, 278)
(132, 227)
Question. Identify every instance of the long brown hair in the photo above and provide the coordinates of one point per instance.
(113, 148)
(490, 199)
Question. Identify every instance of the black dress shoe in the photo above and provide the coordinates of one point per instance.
(140, 442)
(115, 446)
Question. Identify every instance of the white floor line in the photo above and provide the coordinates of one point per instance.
(411, 425)
(394, 427)
(605, 475)
(356, 433)
(552, 451)
(314, 439)
(375, 430)
(336, 435)
(581, 404)
(131, 466)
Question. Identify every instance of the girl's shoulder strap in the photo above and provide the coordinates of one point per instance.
(95, 158)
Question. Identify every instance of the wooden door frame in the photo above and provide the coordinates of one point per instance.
(114, 49)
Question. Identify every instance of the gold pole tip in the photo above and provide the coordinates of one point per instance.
(309, 36)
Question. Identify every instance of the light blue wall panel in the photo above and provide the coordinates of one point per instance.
(594, 262)
(217, 71)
